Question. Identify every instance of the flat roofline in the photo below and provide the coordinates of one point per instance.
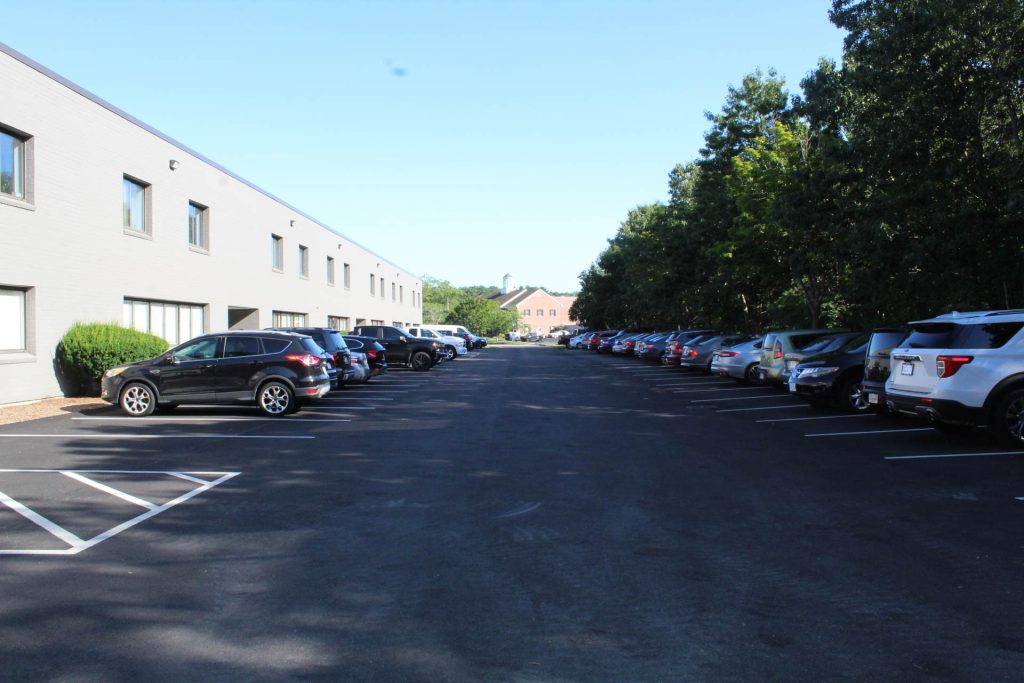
(74, 87)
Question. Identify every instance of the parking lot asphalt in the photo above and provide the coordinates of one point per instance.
(522, 514)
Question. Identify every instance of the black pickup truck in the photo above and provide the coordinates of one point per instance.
(403, 349)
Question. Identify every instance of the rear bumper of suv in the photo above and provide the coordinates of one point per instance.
(940, 409)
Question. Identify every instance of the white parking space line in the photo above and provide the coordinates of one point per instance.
(732, 398)
(205, 419)
(340, 408)
(77, 544)
(953, 455)
(804, 419)
(146, 436)
(355, 398)
(37, 519)
(873, 431)
(747, 410)
(693, 391)
(365, 392)
(109, 489)
(698, 382)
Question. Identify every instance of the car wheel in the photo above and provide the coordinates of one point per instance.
(420, 361)
(452, 353)
(1008, 419)
(138, 400)
(275, 399)
(852, 397)
(752, 375)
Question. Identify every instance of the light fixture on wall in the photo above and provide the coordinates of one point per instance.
(173, 164)
(292, 222)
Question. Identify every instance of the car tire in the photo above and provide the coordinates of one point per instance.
(1007, 421)
(852, 398)
(420, 361)
(275, 399)
(137, 399)
(752, 375)
(452, 353)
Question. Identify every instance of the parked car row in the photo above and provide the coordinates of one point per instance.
(278, 370)
(957, 370)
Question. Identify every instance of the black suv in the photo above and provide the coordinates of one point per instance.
(401, 348)
(331, 341)
(276, 371)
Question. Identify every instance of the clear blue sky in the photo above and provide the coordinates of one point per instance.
(461, 140)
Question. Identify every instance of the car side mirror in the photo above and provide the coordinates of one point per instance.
(404, 340)
(169, 359)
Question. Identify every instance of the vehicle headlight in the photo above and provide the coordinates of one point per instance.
(113, 372)
(434, 344)
(818, 372)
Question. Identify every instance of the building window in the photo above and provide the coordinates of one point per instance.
(277, 252)
(136, 206)
(12, 320)
(303, 261)
(393, 289)
(373, 283)
(553, 313)
(12, 165)
(330, 270)
(382, 288)
(401, 295)
(540, 312)
(198, 226)
(339, 323)
(176, 322)
(347, 274)
(526, 312)
(289, 319)
(376, 322)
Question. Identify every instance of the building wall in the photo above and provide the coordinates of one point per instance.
(69, 250)
(545, 303)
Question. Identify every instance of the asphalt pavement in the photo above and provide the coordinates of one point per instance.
(526, 513)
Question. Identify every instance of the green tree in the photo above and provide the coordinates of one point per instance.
(483, 316)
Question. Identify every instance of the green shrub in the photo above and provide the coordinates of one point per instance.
(88, 350)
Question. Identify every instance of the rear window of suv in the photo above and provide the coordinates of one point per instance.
(954, 336)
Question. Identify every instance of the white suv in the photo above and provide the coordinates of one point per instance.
(963, 369)
(452, 347)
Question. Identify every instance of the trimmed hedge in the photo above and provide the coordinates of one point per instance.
(88, 350)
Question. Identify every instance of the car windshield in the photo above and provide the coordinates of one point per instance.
(954, 336)
(333, 341)
(858, 344)
(882, 343)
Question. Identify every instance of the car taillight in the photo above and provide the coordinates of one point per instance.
(727, 354)
(372, 354)
(946, 366)
(306, 359)
(691, 352)
(778, 350)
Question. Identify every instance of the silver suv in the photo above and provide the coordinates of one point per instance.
(963, 369)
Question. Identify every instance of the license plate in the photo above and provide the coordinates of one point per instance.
(792, 388)
(907, 369)
(872, 398)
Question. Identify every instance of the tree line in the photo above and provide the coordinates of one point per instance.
(890, 188)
